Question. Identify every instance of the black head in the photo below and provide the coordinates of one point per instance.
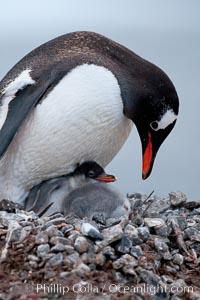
(153, 106)
(93, 170)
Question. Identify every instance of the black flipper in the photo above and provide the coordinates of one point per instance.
(18, 110)
(38, 199)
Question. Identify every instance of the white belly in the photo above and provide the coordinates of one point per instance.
(81, 119)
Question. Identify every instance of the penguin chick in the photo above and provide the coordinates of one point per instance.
(96, 198)
(49, 195)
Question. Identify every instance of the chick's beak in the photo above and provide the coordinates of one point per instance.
(106, 178)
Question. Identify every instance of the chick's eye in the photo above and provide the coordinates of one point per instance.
(91, 173)
(154, 125)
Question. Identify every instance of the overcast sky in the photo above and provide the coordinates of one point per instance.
(164, 32)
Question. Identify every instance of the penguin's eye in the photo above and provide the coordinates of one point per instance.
(91, 174)
(154, 125)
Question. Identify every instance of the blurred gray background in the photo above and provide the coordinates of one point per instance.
(165, 32)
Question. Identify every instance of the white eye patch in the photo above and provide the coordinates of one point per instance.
(168, 118)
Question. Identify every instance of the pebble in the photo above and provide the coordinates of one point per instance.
(91, 231)
(154, 222)
(51, 231)
(18, 235)
(109, 253)
(58, 248)
(182, 222)
(124, 245)
(41, 238)
(56, 221)
(143, 233)
(177, 286)
(162, 248)
(177, 199)
(59, 240)
(136, 251)
(33, 257)
(43, 250)
(193, 234)
(55, 261)
(178, 259)
(81, 244)
(69, 249)
(111, 234)
(82, 270)
(99, 259)
(158, 243)
(72, 260)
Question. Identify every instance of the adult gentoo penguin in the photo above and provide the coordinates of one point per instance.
(75, 99)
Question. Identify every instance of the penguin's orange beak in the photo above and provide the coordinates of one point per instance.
(106, 178)
(147, 158)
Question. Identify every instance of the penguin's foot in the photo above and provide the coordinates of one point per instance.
(9, 206)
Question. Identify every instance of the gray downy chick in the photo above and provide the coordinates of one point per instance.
(49, 196)
(84, 193)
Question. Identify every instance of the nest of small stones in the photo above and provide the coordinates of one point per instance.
(152, 254)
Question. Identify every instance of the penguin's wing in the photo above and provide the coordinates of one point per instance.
(38, 199)
(21, 104)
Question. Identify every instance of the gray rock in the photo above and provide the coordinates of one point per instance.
(136, 251)
(72, 237)
(41, 238)
(109, 253)
(178, 259)
(162, 248)
(51, 231)
(125, 260)
(64, 275)
(124, 245)
(58, 248)
(43, 250)
(177, 199)
(33, 264)
(59, 240)
(66, 229)
(143, 233)
(69, 249)
(154, 222)
(72, 260)
(158, 206)
(137, 219)
(149, 277)
(182, 222)
(131, 231)
(3, 296)
(99, 259)
(81, 244)
(111, 234)
(162, 230)
(48, 274)
(17, 235)
(82, 270)
(192, 233)
(3, 220)
(176, 287)
(55, 261)
(56, 221)
(33, 257)
(91, 231)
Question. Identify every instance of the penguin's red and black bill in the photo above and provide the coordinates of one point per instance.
(106, 178)
(147, 158)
